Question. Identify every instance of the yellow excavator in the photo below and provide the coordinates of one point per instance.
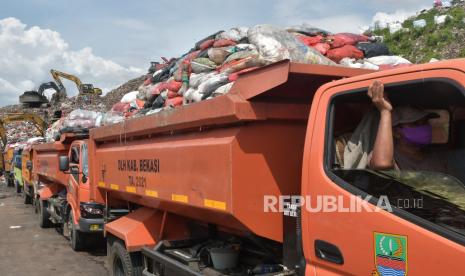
(39, 123)
(84, 89)
(36, 98)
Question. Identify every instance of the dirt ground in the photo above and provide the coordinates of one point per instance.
(26, 249)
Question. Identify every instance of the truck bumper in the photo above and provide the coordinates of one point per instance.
(91, 225)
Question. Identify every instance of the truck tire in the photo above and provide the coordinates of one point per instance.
(18, 187)
(10, 181)
(27, 198)
(76, 237)
(123, 263)
(44, 221)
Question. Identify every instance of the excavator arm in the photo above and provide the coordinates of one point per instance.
(82, 88)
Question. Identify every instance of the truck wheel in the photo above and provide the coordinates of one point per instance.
(27, 198)
(76, 237)
(123, 263)
(44, 221)
(10, 182)
(18, 187)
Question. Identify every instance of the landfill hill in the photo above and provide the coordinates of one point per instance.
(439, 41)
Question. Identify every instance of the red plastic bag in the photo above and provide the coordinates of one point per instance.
(342, 39)
(159, 87)
(176, 101)
(172, 94)
(191, 56)
(233, 77)
(322, 48)
(121, 107)
(174, 85)
(224, 43)
(148, 81)
(207, 44)
(345, 51)
(309, 40)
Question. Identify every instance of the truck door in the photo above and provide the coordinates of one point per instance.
(75, 172)
(411, 221)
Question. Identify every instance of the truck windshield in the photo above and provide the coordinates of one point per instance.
(85, 163)
(433, 196)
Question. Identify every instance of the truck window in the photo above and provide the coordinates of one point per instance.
(85, 162)
(74, 162)
(428, 195)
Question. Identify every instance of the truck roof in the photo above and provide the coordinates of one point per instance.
(258, 95)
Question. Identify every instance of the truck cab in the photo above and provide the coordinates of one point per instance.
(17, 169)
(414, 218)
(8, 165)
(63, 190)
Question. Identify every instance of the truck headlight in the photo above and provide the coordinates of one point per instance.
(91, 209)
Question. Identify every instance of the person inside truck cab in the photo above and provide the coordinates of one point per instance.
(403, 137)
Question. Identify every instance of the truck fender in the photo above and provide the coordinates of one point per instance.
(48, 191)
(145, 227)
(74, 207)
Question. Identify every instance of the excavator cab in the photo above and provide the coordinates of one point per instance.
(37, 98)
(88, 88)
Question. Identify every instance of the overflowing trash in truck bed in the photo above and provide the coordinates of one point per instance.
(211, 67)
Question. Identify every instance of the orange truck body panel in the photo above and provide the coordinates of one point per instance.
(27, 155)
(46, 162)
(8, 160)
(214, 161)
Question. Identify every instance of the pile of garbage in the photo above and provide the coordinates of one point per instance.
(20, 131)
(212, 66)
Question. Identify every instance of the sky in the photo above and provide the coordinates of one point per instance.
(107, 42)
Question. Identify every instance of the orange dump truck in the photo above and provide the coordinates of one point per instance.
(8, 165)
(63, 198)
(264, 181)
(26, 170)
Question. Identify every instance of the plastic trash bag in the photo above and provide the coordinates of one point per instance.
(242, 54)
(418, 24)
(441, 19)
(276, 44)
(129, 97)
(361, 63)
(212, 36)
(200, 65)
(222, 89)
(241, 64)
(345, 51)
(207, 87)
(218, 55)
(373, 49)
(307, 29)
(224, 43)
(394, 60)
(235, 34)
(112, 117)
(395, 27)
(323, 48)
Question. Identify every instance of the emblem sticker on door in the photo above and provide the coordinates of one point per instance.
(390, 254)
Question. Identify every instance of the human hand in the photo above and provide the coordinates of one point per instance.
(378, 98)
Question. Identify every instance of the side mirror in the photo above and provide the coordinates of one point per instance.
(29, 165)
(64, 163)
(84, 178)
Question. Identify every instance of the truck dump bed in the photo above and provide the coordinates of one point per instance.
(215, 160)
(46, 160)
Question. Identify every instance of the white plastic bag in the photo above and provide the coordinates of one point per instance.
(362, 63)
(234, 34)
(223, 89)
(441, 19)
(394, 60)
(418, 24)
(129, 97)
(276, 44)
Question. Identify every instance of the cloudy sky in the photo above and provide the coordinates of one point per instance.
(107, 42)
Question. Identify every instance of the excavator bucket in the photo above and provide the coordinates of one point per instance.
(32, 99)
